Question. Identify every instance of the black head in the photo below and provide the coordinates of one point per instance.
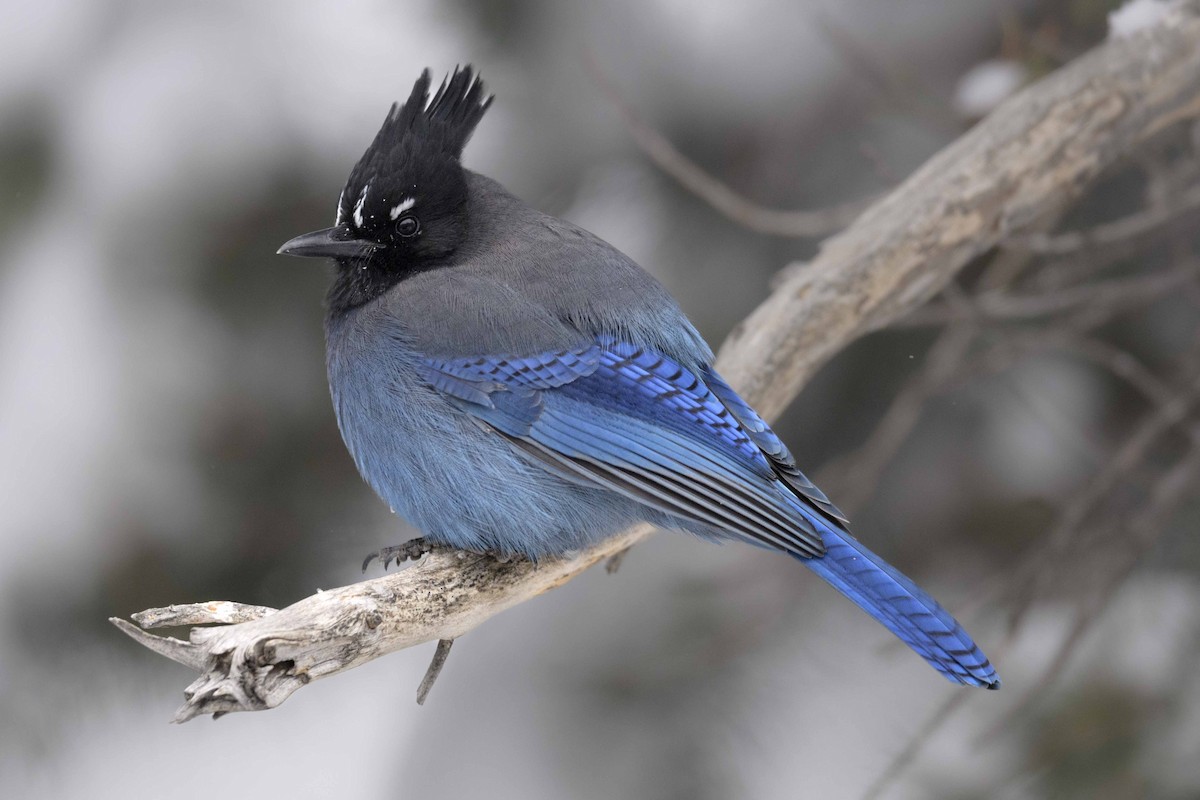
(404, 207)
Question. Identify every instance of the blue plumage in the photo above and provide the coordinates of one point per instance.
(612, 414)
(903, 608)
(510, 383)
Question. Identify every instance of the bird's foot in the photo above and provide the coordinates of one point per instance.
(399, 553)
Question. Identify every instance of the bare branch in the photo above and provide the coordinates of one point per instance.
(901, 91)
(1116, 294)
(912, 748)
(1170, 408)
(1134, 227)
(857, 474)
(1036, 153)
(435, 668)
(1177, 485)
(181, 652)
(1042, 570)
(215, 612)
(258, 664)
(736, 207)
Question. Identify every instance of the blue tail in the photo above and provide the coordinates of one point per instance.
(883, 592)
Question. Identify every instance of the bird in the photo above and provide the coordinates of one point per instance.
(512, 384)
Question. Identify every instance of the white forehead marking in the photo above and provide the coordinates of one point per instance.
(358, 207)
(401, 207)
(337, 220)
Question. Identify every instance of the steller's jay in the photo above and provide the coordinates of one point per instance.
(510, 383)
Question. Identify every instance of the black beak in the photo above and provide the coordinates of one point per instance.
(330, 243)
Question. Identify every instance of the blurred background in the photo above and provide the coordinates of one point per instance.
(1025, 446)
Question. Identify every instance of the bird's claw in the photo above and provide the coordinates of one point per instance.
(399, 553)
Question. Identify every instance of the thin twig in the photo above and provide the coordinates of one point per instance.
(435, 669)
(912, 749)
(1119, 363)
(888, 82)
(1126, 230)
(1123, 462)
(1116, 295)
(1177, 485)
(867, 463)
(731, 204)
(857, 475)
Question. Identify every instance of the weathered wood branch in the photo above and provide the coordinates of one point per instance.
(1036, 153)
(1031, 157)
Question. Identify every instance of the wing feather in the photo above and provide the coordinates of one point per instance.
(771, 445)
(638, 423)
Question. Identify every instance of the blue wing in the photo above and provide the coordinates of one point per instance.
(771, 445)
(637, 423)
(633, 421)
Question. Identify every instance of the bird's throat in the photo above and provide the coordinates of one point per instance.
(356, 284)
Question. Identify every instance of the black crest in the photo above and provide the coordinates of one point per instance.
(441, 127)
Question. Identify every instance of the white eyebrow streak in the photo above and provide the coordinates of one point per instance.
(337, 219)
(401, 207)
(358, 207)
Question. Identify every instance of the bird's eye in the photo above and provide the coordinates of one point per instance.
(408, 226)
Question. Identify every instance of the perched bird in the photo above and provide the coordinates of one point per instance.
(510, 383)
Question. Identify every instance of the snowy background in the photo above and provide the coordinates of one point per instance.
(167, 436)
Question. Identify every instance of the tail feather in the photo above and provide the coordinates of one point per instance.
(902, 607)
